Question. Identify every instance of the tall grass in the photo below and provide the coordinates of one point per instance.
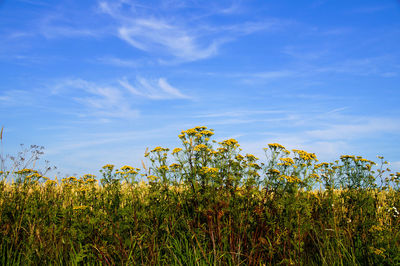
(206, 203)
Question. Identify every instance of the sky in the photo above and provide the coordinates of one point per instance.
(98, 82)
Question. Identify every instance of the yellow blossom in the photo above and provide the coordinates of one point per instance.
(163, 168)
(200, 147)
(274, 171)
(275, 146)
(110, 167)
(286, 161)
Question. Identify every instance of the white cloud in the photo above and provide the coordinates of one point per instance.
(363, 128)
(100, 101)
(115, 61)
(153, 89)
(153, 35)
(167, 34)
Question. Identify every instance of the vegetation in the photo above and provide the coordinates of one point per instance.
(205, 203)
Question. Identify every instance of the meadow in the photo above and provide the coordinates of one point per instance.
(205, 203)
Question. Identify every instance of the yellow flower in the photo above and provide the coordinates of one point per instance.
(291, 179)
(152, 178)
(71, 178)
(200, 147)
(344, 157)
(90, 180)
(239, 157)
(305, 155)
(207, 133)
(275, 146)
(190, 132)
(35, 175)
(159, 149)
(274, 171)
(286, 161)
(25, 171)
(254, 165)
(82, 207)
(209, 170)
(110, 167)
(314, 176)
(230, 142)
(163, 168)
(251, 157)
(50, 182)
(88, 176)
(127, 167)
(175, 165)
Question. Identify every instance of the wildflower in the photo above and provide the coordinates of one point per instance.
(314, 176)
(305, 155)
(345, 157)
(109, 167)
(251, 157)
(254, 165)
(200, 147)
(82, 207)
(230, 142)
(90, 180)
(274, 171)
(209, 170)
(159, 149)
(275, 146)
(34, 175)
(291, 179)
(175, 167)
(50, 182)
(222, 150)
(152, 178)
(88, 176)
(25, 171)
(239, 157)
(71, 178)
(286, 161)
(163, 168)
(176, 150)
(190, 132)
(325, 165)
(207, 133)
(127, 167)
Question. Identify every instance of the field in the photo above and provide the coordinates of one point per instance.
(202, 204)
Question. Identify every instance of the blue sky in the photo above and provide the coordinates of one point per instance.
(97, 82)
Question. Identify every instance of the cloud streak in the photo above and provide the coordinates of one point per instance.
(153, 89)
(178, 38)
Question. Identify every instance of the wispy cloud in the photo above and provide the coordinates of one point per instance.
(99, 101)
(363, 127)
(179, 38)
(153, 89)
(119, 62)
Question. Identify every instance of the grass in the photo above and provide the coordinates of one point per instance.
(209, 205)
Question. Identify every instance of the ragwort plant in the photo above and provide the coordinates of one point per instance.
(206, 203)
